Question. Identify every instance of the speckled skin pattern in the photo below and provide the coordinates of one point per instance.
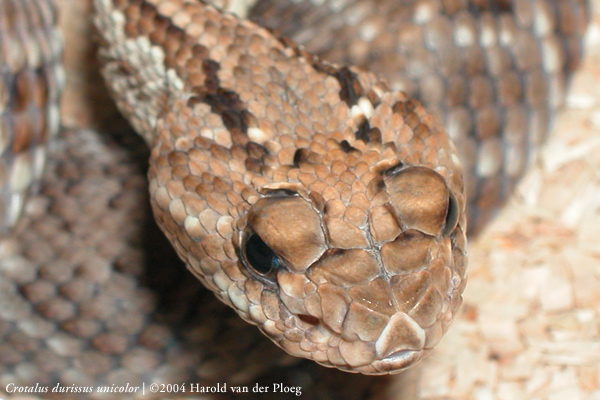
(495, 72)
(111, 305)
(356, 190)
(31, 83)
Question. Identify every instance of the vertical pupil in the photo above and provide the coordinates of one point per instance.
(260, 256)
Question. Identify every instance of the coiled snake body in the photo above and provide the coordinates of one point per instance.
(319, 204)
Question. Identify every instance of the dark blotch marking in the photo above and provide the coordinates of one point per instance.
(351, 89)
(346, 147)
(363, 131)
(366, 133)
(222, 101)
(305, 155)
(300, 156)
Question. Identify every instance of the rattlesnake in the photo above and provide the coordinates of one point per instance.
(297, 142)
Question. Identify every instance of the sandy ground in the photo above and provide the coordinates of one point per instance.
(530, 324)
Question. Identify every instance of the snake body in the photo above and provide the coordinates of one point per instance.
(31, 86)
(320, 205)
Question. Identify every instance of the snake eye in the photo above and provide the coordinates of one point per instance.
(452, 215)
(260, 256)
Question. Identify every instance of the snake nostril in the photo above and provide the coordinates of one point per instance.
(309, 319)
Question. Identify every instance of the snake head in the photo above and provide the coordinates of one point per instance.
(322, 207)
(348, 251)
(368, 285)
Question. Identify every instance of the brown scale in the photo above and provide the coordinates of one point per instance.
(311, 148)
(112, 305)
(494, 72)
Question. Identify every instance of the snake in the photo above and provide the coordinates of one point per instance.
(323, 203)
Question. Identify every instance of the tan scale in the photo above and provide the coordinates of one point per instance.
(243, 113)
(494, 72)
